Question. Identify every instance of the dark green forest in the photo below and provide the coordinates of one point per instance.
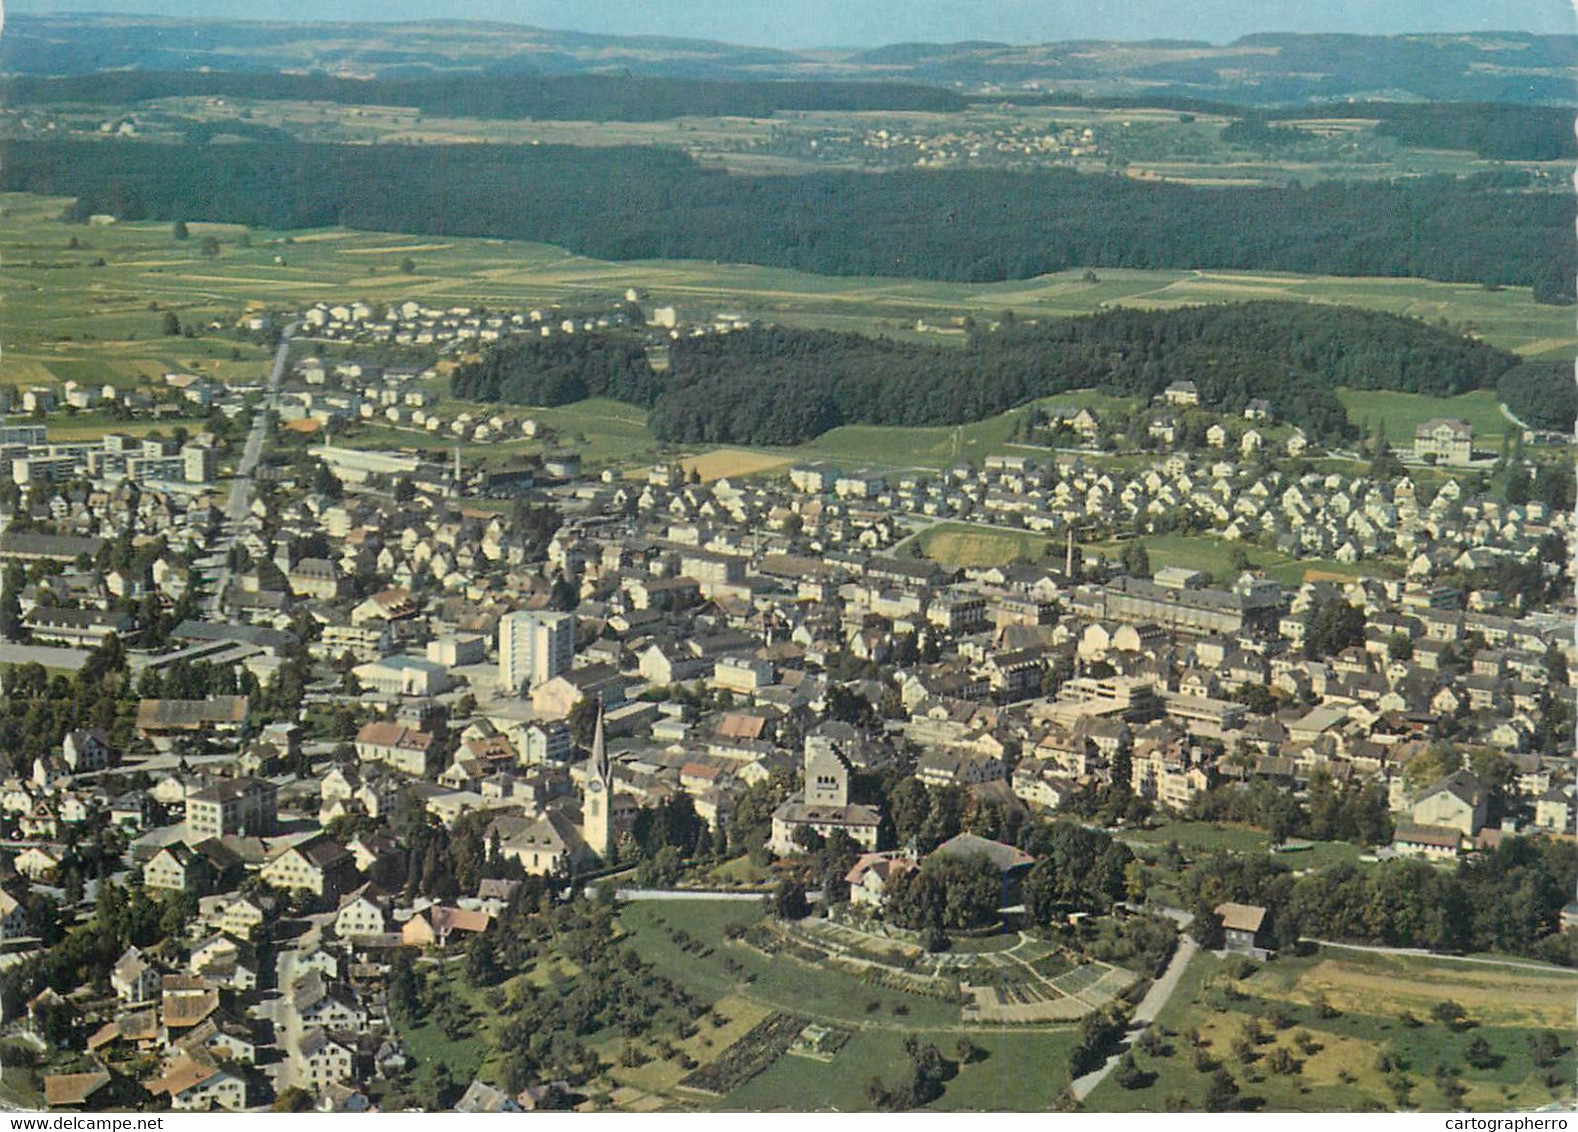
(638, 203)
(783, 386)
(574, 98)
(1497, 131)
(1541, 394)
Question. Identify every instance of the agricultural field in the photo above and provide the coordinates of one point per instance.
(1356, 1007)
(733, 463)
(1144, 143)
(61, 308)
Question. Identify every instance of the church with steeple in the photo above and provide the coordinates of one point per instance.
(597, 797)
(558, 838)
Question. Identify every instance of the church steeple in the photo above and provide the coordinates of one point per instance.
(599, 748)
(597, 826)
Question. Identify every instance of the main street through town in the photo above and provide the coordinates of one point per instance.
(240, 499)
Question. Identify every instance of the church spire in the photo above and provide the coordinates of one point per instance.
(599, 748)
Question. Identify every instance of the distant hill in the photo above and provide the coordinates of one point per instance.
(1261, 70)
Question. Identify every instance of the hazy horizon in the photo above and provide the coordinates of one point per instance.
(807, 24)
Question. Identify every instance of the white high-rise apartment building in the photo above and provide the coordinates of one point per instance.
(534, 648)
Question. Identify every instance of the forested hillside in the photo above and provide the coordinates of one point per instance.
(1262, 69)
(590, 98)
(964, 225)
(1541, 394)
(779, 386)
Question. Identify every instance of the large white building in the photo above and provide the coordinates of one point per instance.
(534, 648)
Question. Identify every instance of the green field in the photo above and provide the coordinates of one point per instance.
(1211, 837)
(1024, 1068)
(67, 319)
(1401, 413)
(965, 544)
(1214, 556)
(1370, 995)
(603, 432)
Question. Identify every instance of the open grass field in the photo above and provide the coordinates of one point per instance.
(1199, 837)
(1215, 557)
(1401, 413)
(880, 446)
(1023, 1068)
(605, 433)
(1022, 1071)
(964, 544)
(1371, 995)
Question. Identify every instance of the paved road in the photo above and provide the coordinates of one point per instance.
(684, 894)
(1144, 1014)
(1423, 953)
(240, 500)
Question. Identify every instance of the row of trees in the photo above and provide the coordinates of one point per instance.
(1507, 899)
(971, 225)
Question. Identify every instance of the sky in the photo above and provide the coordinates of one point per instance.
(864, 23)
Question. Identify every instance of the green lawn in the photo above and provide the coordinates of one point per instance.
(1215, 557)
(818, 993)
(1401, 413)
(1211, 837)
(1022, 1071)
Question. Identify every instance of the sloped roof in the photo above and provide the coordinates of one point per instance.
(62, 1089)
(1004, 857)
(1241, 917)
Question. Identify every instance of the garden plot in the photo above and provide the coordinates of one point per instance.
(764, 1044)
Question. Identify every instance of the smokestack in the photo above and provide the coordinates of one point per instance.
(1068, 556)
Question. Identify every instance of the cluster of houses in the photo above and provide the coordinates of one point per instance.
(1010, 146)
(1343, 517)
(411, 323)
